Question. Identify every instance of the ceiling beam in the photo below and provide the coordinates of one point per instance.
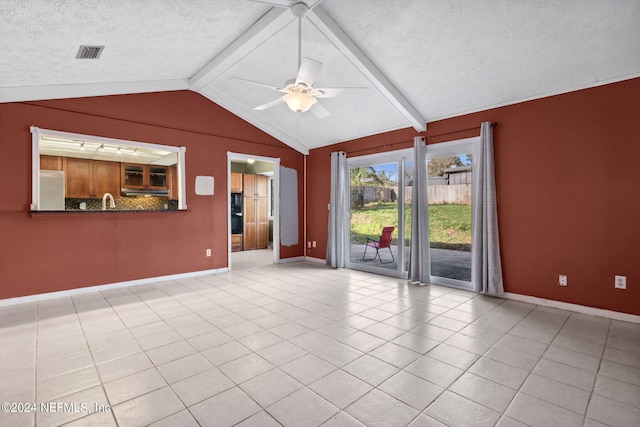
(264, 28)
(250, 116)
(332, 31)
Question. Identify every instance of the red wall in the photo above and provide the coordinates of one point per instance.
(51, 252)
(568, 191)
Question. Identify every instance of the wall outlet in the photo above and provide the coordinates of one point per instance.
(621, 282)
(562, 280)
(208, 252)
(309, 245)
(313, 243)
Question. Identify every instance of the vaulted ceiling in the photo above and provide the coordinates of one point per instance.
(420, 60)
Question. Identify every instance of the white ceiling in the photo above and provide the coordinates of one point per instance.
(422, 60)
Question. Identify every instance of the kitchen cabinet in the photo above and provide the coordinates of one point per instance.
(236, 182)
(152, 177)
(236, 242)
(256, 212)
(87, 179)
(50, 163)
(105, 178)
(173, 183)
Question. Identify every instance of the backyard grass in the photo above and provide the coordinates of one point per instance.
(450, 224)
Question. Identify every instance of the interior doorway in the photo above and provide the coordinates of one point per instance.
(253, 195)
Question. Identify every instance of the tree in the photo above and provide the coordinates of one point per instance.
(436, 167)
(365, 176)
(408, 173)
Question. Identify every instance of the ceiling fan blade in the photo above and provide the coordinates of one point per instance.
(266, 85)
(276, 3)
(319, 111)
(284, 3)
(268, 104)
(308, 71)
(330, 92)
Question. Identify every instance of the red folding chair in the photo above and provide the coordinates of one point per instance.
(383, 242)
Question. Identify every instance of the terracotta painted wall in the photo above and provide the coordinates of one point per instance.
(51, 252)
(568, 190)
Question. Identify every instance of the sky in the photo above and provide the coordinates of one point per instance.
(391, 169)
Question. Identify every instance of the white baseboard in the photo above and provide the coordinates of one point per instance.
(294, 259)
(97, 288)
(615, 315)
(316, 260)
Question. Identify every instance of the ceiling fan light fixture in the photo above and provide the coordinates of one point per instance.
(299, 102)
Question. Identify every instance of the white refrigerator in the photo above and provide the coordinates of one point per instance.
(51, 190)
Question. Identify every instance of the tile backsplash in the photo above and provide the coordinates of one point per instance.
(125, 204)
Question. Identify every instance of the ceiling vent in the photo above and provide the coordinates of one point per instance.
(89, 52)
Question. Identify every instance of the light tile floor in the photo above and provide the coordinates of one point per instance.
(304, 345)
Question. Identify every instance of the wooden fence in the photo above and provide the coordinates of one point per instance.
(456, 194)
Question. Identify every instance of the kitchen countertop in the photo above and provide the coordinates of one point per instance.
(109, 211)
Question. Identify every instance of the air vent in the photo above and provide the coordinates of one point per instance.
(89, 52)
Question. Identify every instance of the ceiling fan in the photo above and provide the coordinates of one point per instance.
(300, 95)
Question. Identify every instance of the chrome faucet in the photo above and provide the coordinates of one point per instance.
(112, 203)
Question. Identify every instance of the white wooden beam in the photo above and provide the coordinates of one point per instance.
(255, 119)
(264, 28)
(332, 31)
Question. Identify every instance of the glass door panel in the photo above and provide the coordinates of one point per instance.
(380, 198)
(374, 207)
(450, 217)
(408, 185)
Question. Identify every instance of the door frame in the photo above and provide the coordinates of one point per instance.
(454, 148)
(397, 156)
(231, 156)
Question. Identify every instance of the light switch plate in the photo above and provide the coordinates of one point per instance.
(621, 282)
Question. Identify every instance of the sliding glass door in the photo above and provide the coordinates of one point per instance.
(380, 204)
(380, 213)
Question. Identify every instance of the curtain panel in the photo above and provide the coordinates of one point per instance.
(486, 268)
(338, 210)
(419, 266)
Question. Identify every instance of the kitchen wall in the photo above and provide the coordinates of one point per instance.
(51, 252)
(568, 191)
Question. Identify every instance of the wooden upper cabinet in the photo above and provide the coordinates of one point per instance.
(90, 179)
(77, 178)
(145, 176)
(262, 186)
(158, 177)
(50, 163)
(106, 178)
(236, 182)
(256, 185)
(249, 185)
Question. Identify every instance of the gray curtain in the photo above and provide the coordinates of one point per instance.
(486, 269)
(419, 267)
(338, 210)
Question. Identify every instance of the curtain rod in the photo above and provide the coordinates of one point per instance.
(379, 146)
(494, 124)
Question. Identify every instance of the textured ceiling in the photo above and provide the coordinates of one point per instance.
(421, 60)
